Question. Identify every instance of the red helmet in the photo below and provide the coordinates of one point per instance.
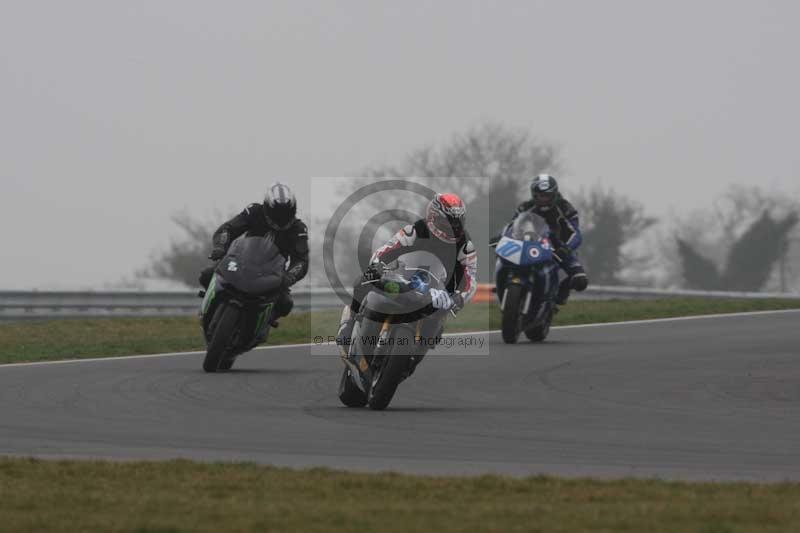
(445, 217)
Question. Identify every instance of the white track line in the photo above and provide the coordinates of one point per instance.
(680, 318)
(463, 334)
(637, 322)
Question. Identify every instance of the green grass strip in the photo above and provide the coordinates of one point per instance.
(176, 496)
(108, 337)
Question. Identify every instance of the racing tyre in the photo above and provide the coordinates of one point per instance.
(386, 379)
(221, 338)
(512, 319)
(539, 333)
(349, 394)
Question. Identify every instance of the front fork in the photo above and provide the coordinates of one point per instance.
(515, 278)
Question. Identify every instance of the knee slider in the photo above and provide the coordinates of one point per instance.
(284, 305)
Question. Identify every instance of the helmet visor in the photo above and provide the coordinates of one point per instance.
(456, 226)
(543, 199)
(280, 216)
(447, 229)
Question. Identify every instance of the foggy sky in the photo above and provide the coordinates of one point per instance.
(115, 115)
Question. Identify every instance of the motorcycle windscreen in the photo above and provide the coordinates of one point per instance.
(253, 265)
(529, 227)
(428, 264)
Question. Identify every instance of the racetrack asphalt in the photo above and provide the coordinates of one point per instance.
(715, 398)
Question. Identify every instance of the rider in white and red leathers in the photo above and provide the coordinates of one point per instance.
(441, 233)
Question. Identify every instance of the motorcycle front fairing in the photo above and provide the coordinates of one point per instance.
(253, 266)
(248, 277)
(524, 253)
(525, 256)
(525, 246)
(402, 307)
(403, 293)
(401, 299)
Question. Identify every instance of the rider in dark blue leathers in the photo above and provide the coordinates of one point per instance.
(565, 233)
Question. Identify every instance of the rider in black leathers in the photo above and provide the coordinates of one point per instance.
(276, 216)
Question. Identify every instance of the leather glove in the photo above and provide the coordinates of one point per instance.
(563, 253)
(373, 272)
(555, 242)
(217, 253)
(441, 299)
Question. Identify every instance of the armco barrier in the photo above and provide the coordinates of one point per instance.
(608, 292)
(15, 305)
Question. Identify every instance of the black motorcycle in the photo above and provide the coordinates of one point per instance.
(394, 329)
(238, 303)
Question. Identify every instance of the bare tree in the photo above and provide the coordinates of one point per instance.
(185, 256)
(506, 158)
(755, 254)
(746, 237)
(610, 221)
(698, 272)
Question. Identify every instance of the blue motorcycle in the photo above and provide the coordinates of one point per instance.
(526, 278)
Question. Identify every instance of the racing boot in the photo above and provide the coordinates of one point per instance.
(283, 306)
(578, 281)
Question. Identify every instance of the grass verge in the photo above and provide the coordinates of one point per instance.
(108, 337)
(185, 496)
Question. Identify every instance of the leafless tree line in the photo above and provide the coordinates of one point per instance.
(746, 240)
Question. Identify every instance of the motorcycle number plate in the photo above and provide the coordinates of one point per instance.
(510, 250)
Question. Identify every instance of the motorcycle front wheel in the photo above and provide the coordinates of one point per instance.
(221, 338)
(389, 375)
(227, 364)
(512, 316)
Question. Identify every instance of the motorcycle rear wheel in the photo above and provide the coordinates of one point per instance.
(540, 332)
(221, 338)
(512, 319)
